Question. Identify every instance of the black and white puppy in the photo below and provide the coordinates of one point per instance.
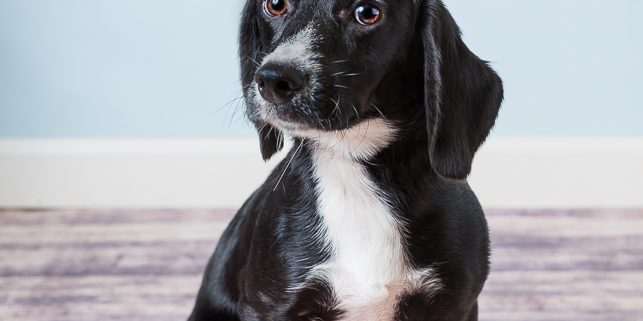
(369, 217)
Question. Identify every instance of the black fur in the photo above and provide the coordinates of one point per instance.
(415, 71)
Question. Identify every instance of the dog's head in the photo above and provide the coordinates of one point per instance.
(327, 65)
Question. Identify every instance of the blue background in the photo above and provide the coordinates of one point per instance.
(168, 69)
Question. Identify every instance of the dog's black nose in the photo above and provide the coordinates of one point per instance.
(278, 84)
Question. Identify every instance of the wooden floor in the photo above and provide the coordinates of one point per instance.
(76, 265)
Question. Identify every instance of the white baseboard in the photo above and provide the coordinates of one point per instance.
(508, 172)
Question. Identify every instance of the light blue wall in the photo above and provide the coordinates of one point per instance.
(161, 68)
(571, 67)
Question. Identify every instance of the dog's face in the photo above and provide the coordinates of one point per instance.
(320, 61)
(326, 65)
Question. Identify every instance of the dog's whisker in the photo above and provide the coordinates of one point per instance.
(336, 109)
(264, 127)
(368, 125)
(341, 86)
(281, 136)
(232, 101)
(356, 112)
(350, 75)
(231, 113)
(378, 110)
(344, 133)
(321, 123)
(339, 61)
(288, 164)
(386, 121)
(235, 111)
(254, 60)
(258, 53)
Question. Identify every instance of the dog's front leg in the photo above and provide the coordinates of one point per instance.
(417, 308)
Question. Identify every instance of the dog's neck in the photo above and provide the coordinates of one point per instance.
(360, 142)
(369, 267)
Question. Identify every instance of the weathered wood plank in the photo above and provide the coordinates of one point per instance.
(89, 265)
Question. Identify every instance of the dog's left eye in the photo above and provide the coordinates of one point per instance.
(275, 8)
(367, 14)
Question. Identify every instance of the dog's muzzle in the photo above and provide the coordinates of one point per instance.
(279, 83)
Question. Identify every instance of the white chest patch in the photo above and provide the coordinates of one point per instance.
(368, 270)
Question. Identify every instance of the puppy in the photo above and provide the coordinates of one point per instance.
(369, 216)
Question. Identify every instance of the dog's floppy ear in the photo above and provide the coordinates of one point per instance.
(270, 140)
(462, 93)
(250, 46)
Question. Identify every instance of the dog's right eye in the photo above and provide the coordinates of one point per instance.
(275, 8)
(367, 14)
